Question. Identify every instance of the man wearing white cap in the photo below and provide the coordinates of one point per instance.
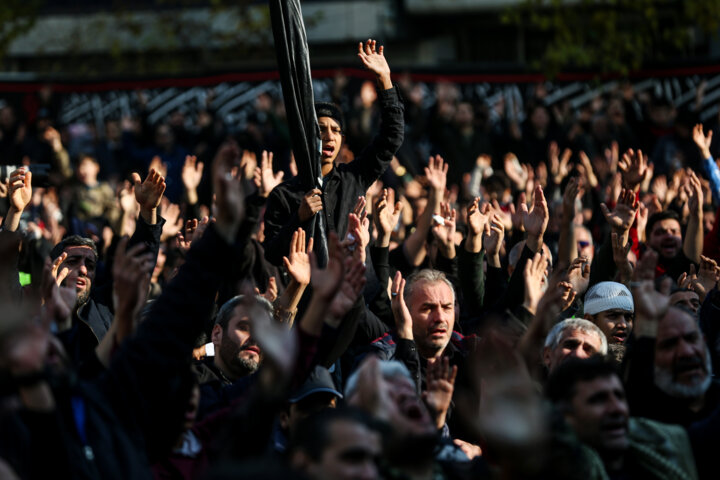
(609, 305)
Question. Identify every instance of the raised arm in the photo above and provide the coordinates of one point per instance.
(414, 245)
(374, 160)
(20, 193)
(693, 242)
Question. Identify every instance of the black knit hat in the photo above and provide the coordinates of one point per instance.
(327, 109)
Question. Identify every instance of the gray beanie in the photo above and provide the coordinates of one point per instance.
(606, 296)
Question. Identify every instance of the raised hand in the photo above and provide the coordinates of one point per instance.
(579, 275)
(589, 170)
(477, 219)
(693, 190)
(515, 171)
(327, 282)
(173, 221)
(131, 279)
(445, 232)
(351, 288)
(191, 176)
(568, 294)
(536, 219)
(650, 305)
(569, 199)
(59, 301)
(20, 185)
(386, 216)
(373, 58)
(297, 263)
(271, 291)
(702, 141)
(403, 319)
(436, 174)
(264, 178)
(633, 166)
(534, 275)
(559, 166)
(620, 257)
(229, 196)
(439, 389)
(622, 217)
(493, 239)
(709, 273)
(148, 194)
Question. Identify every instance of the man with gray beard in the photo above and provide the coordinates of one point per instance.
(677, 360)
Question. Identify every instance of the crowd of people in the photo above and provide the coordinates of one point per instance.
(507, 294)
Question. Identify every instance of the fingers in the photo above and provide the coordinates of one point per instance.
(61, 276)
(56, 264)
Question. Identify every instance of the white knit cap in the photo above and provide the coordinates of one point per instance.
(606, 296)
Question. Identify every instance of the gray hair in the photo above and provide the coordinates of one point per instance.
(388, 369)
(553, 338)
(426, 275)
(226, 311)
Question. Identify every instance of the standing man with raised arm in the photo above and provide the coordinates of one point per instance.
(291, 206)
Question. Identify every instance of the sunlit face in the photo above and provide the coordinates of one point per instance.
(599, 414)
(615, 324)
(666, 238)
(81, 263)
(574, 343)
(332, 137)
(432, 308)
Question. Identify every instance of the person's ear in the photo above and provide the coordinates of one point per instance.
(216, 335)
(284, 420)
(547, 355)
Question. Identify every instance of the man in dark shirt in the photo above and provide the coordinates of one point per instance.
(290, 206)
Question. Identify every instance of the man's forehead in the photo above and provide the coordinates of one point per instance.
(79, 251)
(590, 387)
(581, 335)
(676, 322)
(425, 291)
(666, 224)
(328, 121)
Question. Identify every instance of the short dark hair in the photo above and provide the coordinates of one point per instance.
(659, 217)
(226, 311)
(327, 109)
(72, 241)
(313, 433)
(560, 387)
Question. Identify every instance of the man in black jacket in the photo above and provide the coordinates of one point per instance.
(291, 206)
(75, 258)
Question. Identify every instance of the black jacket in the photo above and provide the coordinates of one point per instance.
(92, 321)
(341, 188)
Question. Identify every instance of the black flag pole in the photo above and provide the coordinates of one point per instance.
(293, 59)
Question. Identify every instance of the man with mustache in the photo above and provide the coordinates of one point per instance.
(668, 370)
(75, 259)
(235, 354)
(590, 397)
